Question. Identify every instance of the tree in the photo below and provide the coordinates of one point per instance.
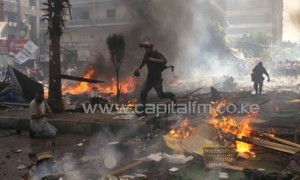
(56, 10)
(255, 44)
(116, 46)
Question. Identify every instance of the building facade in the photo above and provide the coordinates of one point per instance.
(19, 23)
(247, 16)
(20, 20)
(92, 22)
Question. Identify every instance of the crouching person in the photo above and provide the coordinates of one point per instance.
(40, 111)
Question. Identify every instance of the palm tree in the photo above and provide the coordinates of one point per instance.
(56, 10)
(116, 46)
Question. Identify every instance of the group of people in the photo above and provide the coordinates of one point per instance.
(289, 68)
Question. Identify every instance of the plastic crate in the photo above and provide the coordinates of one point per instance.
(216, 157)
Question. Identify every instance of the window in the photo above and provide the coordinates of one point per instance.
(33, 30)
(80, 13)
(111, 13)
(32, 3)
(85, 15)
(11, 16)
(11, 37)
(138, 11)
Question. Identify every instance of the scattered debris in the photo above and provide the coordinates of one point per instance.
(53, 177)
(21, 167)
(173, 169)
(17, 151)
(139, 176)
(32, 155)
(114, 143)
(127, 167)
(223, 175)
(90, 158)
(203, 136)
(50, 143)
(125, 117)
(127, 177)
(79, 145)
(110, 162)
(261, 175)
(153, 157)
(7, 133)
(215, 95)
(215, 158)
(178, 158)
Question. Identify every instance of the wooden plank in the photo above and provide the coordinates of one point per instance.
(271, 145)
(127, 167)
(74, 78)
(235, 168)
(190, 93)
(282, 141)
(279, 149)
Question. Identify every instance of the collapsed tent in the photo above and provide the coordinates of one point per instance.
(17, 87)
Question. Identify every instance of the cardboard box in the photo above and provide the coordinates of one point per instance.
(173, 143)
(203, 136)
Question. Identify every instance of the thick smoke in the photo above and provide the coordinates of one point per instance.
(189, 34)
(295, 18)
(291, 20)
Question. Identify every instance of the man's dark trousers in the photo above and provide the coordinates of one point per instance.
(258, 85)
(157, 85)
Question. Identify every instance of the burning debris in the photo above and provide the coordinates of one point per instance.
(229, 124)
(204, 58)
(183, 131)
(127, 85)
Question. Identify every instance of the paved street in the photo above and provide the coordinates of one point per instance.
(10, 159)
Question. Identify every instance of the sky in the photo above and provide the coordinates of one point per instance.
(290, 31)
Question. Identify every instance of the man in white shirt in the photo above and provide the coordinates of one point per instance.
(40, 110)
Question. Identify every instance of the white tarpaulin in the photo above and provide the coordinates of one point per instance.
(28, 50)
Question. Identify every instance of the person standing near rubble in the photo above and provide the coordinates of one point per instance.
(40, 111)
(156, 63)
(257, 77)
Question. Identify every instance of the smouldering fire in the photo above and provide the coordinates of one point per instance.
(176, 83)
(184, 130)
(271, 132)
(172, 84)
(232, 126)
(127, 86)
(132, 103)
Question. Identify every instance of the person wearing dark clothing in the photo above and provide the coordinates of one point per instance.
(156, 63)
(257, 77)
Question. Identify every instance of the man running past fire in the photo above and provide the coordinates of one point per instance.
(156, 63)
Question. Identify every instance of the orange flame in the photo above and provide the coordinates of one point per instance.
(131, 103)
(81, 87)
(127, 85)
(231, 125)
(184, 130)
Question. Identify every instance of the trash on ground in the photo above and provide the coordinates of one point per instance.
(178, 158)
